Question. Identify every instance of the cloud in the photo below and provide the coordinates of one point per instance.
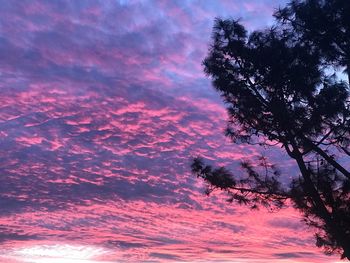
(295, 255)
(287, 222)
(103, 104)
(164, 256)
(19, 235)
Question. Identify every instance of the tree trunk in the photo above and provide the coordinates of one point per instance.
(342, 239)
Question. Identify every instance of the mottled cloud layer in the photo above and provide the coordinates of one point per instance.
(102, 106)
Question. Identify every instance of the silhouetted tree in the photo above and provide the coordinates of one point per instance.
(325, 23)
(279, 90)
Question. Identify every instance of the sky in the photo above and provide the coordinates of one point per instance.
(103, 105)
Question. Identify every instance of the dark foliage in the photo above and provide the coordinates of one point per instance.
(253, 189)
(325, 23)
(278, 91)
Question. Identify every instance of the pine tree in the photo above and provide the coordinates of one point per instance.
(279, 89)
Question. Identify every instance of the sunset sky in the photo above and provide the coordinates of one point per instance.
(103, 105)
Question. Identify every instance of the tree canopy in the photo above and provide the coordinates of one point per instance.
(281, 86)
